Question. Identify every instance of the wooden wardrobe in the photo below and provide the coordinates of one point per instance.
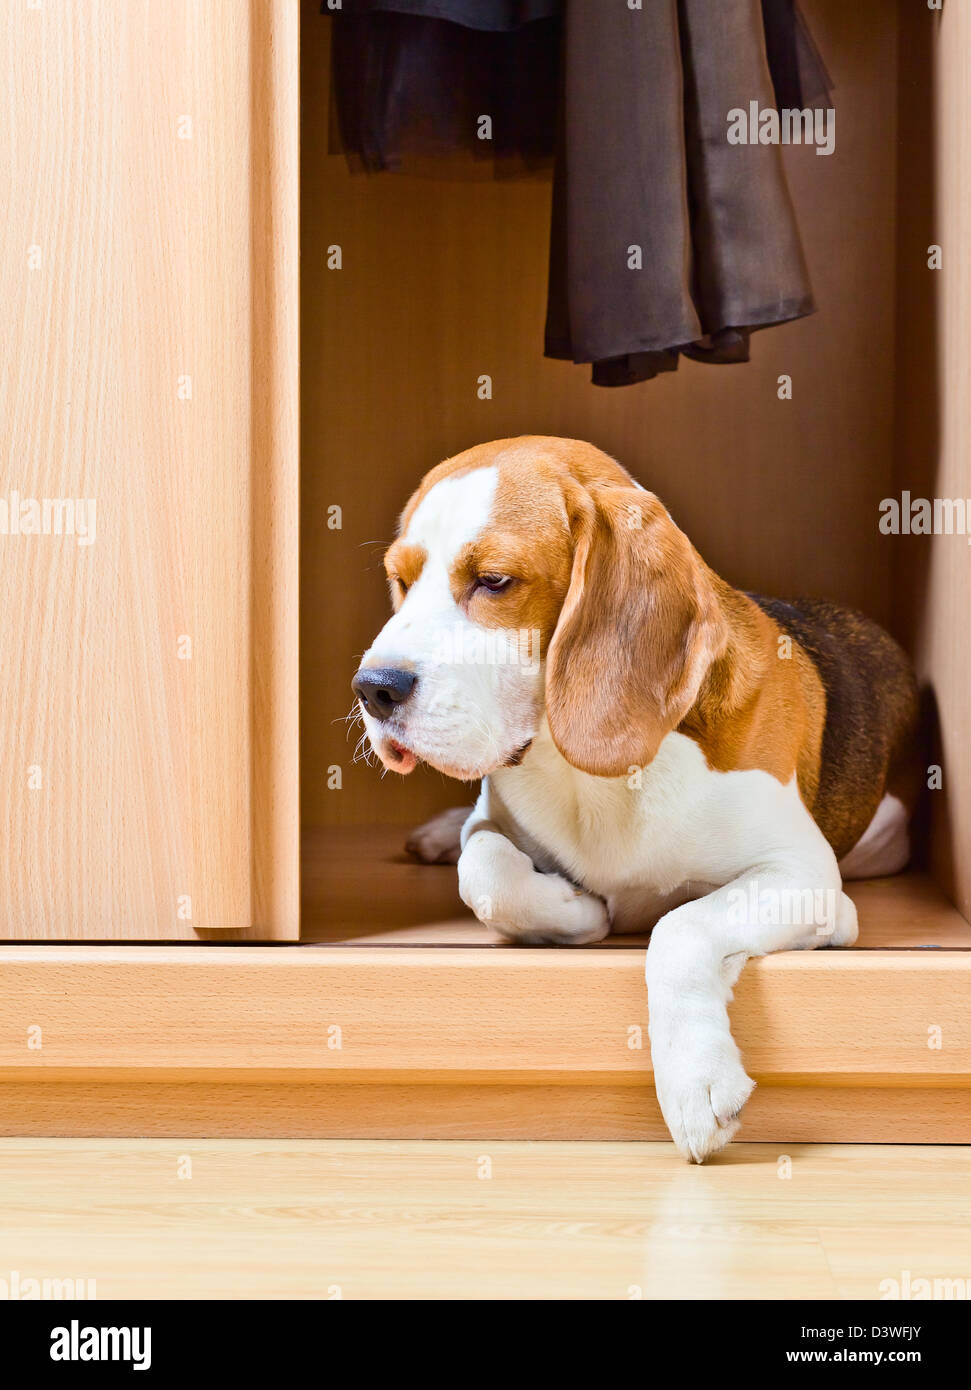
(205, 903)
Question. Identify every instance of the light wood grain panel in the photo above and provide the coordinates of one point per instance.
(269, 1219)
(429, 1013)
(822, 1113)
(889, 1260)
(157, 259)
(933, 416)
(443, 280)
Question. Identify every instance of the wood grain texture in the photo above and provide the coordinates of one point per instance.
(360, 887)
(419, 1014)
(933, 413)
(351, 1220)
(149, 183)
(444, 280)
(80, 1107)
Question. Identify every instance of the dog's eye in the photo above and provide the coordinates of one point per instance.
(494, 583)
(401, 585)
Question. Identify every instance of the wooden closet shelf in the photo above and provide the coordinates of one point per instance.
(377, 1026)
(361, 888)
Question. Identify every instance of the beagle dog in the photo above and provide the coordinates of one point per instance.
(657, 749)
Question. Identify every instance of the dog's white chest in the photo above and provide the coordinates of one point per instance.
(674, 823)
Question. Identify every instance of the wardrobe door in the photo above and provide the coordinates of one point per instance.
(148, 494)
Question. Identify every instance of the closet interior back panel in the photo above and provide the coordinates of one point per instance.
(444, 280)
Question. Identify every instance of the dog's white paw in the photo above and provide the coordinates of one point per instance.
(505, 891)
(846, 928)
(438, 840)
(701, 1097)
(555, 913)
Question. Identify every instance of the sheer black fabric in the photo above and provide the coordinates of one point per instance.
(666, 240)
(495, 15)
(799, 74)
(410, 90)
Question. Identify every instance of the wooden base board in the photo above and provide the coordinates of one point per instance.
(419, 1014)
(400, 1017)
(429, 1042)
(192, 1110)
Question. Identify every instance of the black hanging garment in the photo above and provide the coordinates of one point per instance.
(665, 238)
(411, 78)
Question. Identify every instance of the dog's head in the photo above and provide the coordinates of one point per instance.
(532, 576)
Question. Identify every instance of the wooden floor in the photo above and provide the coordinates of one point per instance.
(318, 1219)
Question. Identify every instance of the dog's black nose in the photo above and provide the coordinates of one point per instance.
(382, 689)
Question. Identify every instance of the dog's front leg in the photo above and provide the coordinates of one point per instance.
(505, 890)
(439, 840)
(695, 957)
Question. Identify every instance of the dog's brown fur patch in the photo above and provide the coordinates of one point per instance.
(759, 707)
(403, 564)
(871, 713)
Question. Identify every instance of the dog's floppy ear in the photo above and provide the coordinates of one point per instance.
(638, 630)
